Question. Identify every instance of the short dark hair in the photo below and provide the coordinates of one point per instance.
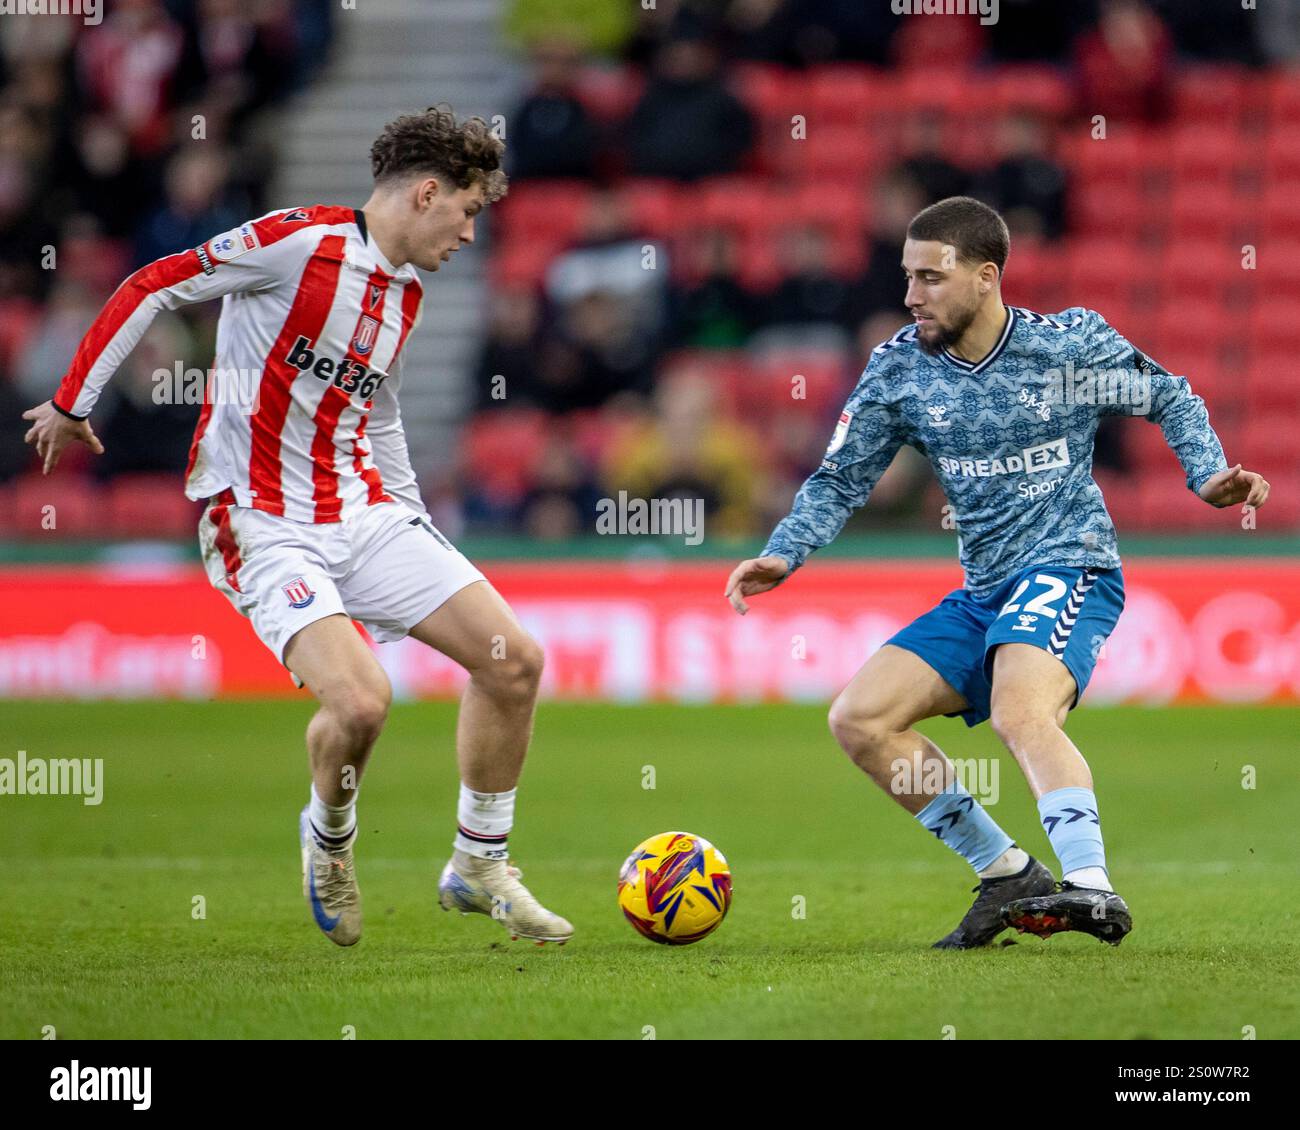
(977, 232)
(465, 153)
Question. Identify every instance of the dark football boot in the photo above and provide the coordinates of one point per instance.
(984, 922)
(1103, 914)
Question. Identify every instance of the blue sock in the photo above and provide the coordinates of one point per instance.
(959, 820)
(1073, 827)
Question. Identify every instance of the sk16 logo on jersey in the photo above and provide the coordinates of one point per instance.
(346, 373)
(299, 593)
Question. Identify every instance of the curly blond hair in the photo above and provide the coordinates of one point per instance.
(465, 152)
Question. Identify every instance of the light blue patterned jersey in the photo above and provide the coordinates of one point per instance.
(1010, 439)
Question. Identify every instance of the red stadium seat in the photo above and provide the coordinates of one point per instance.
(1034, 89)
(840, 206)
(57, 506)
(594, 433)
(773, 94)
(1166, 504)
(1270, 442)
(745, 204)
(942, 90)
(501, 448)
(147, 505)
(833, 154)
(521, 265)
(1209, 95)
(844, 95)
(1201, 269)
(1282, 99)
(1272, 325)
(1210, 154)
(773, 386)
(1116, 210)
(1277, 269)
(1282, 512)
(1205, 211)
(1271, 381)
(548, 212)
(1035, 276)
(1103, 272)
(1145, 445)
(760, 265)
(1127, 155)
(1282, 157)
(1192, 329)
(655, 206)
(1280, 219)
(919, 43)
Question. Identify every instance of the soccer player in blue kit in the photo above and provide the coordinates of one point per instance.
(1005, 403)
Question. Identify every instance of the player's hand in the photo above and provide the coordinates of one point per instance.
(52, 431)
(1234, 485)
(756, 575)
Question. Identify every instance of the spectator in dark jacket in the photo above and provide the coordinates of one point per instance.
(688, 124)
(551, 133)
(1026, 185)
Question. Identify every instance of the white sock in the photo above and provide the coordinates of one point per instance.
(333, 824)
(1093, 877)
(483, 822)
(1010, 862)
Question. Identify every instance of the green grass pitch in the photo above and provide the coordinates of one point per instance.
(99, 938)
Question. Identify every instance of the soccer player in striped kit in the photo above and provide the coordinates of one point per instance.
(1005, 403)
(314, 516)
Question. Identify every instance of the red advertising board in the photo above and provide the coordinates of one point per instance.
(1213, 629)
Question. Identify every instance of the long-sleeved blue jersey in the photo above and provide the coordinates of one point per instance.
(1009, 437)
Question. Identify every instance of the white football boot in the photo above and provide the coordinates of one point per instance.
(491, 886)
(329, 883)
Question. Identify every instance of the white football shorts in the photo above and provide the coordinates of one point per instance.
(387, 567)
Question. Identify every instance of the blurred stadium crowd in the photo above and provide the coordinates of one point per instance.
(121, 143)
(702, 238)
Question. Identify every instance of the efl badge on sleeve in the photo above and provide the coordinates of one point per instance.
(841, 433)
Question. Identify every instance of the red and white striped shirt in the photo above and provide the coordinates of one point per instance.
(313, 321)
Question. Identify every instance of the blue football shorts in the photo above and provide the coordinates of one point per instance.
(1066, 610)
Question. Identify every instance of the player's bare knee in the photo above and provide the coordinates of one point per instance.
(516, 674)
(862, 733)
(361, 712)
(1017, 725)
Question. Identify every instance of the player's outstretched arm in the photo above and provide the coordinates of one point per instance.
(1233, 486)
(255, 255)
(52, 431)
(758, 574)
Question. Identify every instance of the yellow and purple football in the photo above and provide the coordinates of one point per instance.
(675, 888)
